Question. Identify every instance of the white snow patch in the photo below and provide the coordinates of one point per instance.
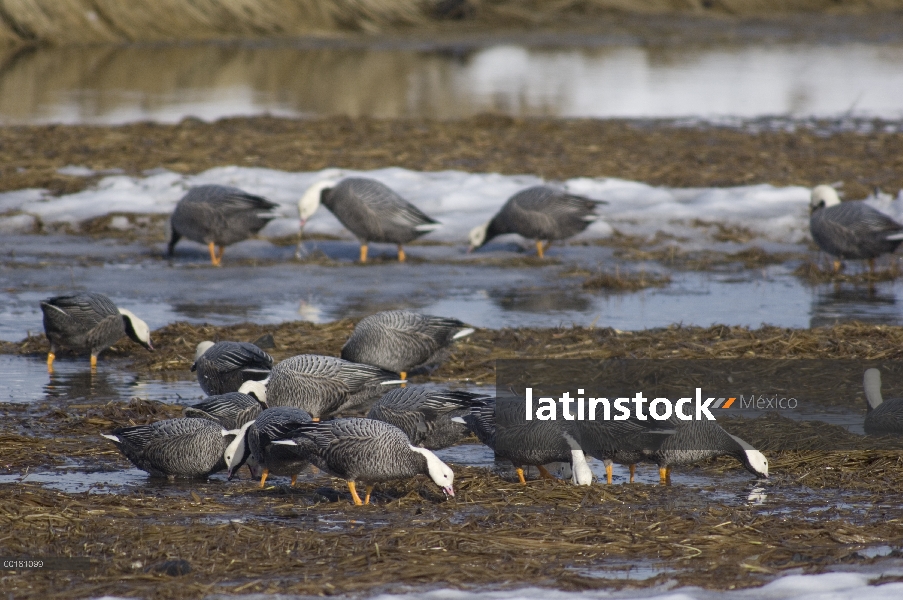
(459, 200)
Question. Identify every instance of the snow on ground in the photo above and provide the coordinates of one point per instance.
(459, 200)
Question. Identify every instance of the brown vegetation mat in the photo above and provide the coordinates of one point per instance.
(625, 281)
(814, 273)
(656, 153)
(473, 358)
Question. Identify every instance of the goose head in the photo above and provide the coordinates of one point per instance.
(236, 452)
(754, 461)
(477, 236)
(256, 389)
(310, 201)
(439, 472)
(136, 329)
(823, 196)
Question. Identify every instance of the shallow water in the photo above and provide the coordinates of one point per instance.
(565, 77)
(445, 282)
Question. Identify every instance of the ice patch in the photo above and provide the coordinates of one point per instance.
(459, 200)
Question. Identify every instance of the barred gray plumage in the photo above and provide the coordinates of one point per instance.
(276, 424)
(218, 215)
(539, 213)
(371, 452)
(403, 341)
(851, 230)
(884, 417)
(230, 410)
(695, 441)
(178, 447)
(224, 366)
(623, 442)
(425, 415)
(370, 210)
(500, 424)
(89, 322)
(324, 385)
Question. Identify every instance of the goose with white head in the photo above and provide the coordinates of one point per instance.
(884, 417)
(851, 230)
(540, 213)
(89, 322)
(180, 447)
(371, 452)
(370, 210)
(225, 366)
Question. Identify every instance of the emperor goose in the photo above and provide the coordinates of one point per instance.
(218, 215)
(539, 213)
(403, 341)
(234, 409)
(851, 230)
(89, 322)
(884, 416)
(370, 210)
(425, 415)
(181, 447)
(224, 366)
(323, 385)
(371, 452)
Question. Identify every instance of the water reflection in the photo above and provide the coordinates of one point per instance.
(835, 304)
(541, 301)
(107, 84)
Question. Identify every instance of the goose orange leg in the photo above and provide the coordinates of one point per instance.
(93, 362)
(214, 260)
(544, 473)
(369, 490)
(520, 476)
(263, 478)
(363, 253)
(608, 471)
(632, 472)
(294, 479)
(353, 490)
(539, 251)
(50, 357)
(401, 255)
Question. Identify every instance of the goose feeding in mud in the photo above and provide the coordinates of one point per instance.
(370, 210)
(539, 213)
(500, 424)
(89, 322)
(425, 415)
(371, 452)
(851, 230)
(323, 385)
(276, 424)
(695, 441)
(181, 447)
(403, 341)
(622, 442)
(225, 366)
(884, 417)
(234, 409)
(218, 215)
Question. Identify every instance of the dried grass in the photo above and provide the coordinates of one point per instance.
(625, 281)
(815, 273)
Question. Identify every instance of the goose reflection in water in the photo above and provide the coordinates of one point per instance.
(868, 304)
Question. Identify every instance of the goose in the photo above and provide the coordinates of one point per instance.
(623, 442)
(89, 322)
(273, 424)
(425, 415)
(403, 340)
(234, 409)
(218, 215)
(324, 385)
(224, 366)
(181, 447)
(884, 416)
(851, 230)
(370, 451)
(499, 423)
(370, 210)
(539, 213)
(695, 441)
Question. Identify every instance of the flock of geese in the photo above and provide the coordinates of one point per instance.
(217, 216)
(279, 419)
